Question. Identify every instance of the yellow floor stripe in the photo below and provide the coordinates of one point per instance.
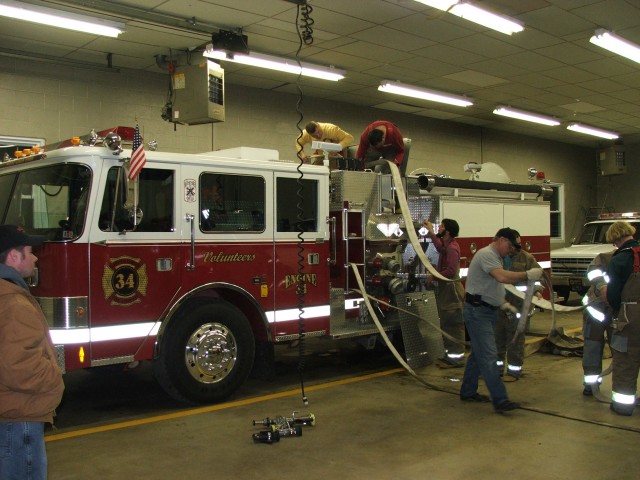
(213, 408)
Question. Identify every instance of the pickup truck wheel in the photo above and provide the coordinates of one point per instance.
(206, 354)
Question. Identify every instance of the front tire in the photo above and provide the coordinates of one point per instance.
(206, 353)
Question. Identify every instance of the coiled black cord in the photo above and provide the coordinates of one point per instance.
(305, 37)
(304, 23)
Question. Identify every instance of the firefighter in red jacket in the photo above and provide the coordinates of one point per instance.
(380, 143)
(449, 295)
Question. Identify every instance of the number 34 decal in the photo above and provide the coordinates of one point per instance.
(124, 281)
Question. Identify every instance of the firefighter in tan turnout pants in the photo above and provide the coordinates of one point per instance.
(510, 347)
(623, 294)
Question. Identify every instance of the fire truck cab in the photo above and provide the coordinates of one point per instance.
(205, 261)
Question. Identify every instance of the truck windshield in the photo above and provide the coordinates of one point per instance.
(593, 233)
(49, 201)
(596, 233)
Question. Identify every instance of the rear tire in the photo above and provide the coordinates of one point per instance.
(206, 353)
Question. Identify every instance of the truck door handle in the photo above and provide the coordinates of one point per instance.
(191, 265)
(332, 259)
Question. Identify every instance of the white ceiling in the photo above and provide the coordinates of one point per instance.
(550, 68)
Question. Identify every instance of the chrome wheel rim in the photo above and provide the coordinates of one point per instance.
(211, 352)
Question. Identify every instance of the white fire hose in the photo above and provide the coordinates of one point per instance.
(384, 335)
(413, 239)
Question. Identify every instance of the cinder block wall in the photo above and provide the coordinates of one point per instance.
(55, 102)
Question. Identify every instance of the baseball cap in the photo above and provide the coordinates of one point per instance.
(510, 234)
(13, 236)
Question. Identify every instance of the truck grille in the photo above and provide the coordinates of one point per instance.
(575, 267)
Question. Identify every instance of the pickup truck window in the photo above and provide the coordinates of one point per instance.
(596, 233)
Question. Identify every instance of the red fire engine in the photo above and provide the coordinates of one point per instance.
(204, 262)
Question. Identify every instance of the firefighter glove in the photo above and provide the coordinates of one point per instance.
(534, 274)
(508, 308)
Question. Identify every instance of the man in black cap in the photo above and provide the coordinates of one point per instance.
(30, 380)
(483, 297)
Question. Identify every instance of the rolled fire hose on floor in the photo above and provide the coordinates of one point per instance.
(528, 300)
(595, 388)
(540, 303)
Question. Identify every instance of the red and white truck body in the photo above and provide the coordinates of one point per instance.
(482, 208)
(205, 261)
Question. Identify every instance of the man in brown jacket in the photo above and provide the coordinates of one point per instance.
(30, 380)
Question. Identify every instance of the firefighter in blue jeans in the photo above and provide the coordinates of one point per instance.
(483, 297)
(596, 322)
(623, 294)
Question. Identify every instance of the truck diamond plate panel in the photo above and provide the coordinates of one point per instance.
(422, 343)
(360, 189)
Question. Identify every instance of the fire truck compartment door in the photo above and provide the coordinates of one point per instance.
(481, 219)
(312, 275)
(485, 218)
(135, 275)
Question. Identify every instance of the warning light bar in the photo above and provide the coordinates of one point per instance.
(606, 216)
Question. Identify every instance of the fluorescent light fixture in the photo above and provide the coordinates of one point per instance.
(60, 19)
(596, 132)
(529, 117)
(423, 93)
(439, 4)
(500, 23)
(276, 63)
(615, 44)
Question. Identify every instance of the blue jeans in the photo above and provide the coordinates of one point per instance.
(22, 452)
(481, 325)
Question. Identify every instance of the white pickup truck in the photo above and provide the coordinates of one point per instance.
(569, 264)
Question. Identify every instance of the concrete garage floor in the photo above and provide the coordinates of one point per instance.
(380, 425)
